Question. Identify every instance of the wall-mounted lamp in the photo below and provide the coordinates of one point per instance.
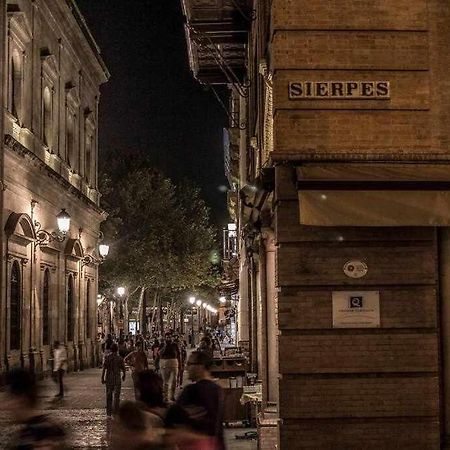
(44, 237)
(103, 250)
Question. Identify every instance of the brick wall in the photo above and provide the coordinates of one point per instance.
(373, 386)
(349, 388)
(350, 14)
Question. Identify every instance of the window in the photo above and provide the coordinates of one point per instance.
(46, 308)
(47, 116)
(70, 309)
(88, 309)
(16, 84)
(15, 307)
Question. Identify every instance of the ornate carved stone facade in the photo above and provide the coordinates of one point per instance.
(51, 73)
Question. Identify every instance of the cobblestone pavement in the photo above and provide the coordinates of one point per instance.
(83, 412)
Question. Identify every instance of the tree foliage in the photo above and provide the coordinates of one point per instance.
(160, 233)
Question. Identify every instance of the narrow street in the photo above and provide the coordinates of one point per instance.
(82, 412)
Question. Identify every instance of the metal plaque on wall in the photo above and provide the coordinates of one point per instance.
(356, 309)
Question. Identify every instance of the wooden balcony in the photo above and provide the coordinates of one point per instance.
(217, 36)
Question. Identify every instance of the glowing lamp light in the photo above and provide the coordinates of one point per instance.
(121, 291)
(191, 300)
(199, 303)
(204, 305)
(231, 227)
(100, 299)
(222, 299)
(63, 219)
(103, 249)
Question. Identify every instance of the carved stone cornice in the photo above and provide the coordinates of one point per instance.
(34, 160)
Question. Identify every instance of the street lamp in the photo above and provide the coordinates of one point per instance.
(103, 249)
(63, 219)
(191, 300)
(121, 291)
(222, 299)
(199, 303)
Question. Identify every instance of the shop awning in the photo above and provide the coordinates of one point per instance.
(374, 195)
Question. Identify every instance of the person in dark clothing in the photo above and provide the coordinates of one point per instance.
(112, 367)
(169, 364)
(199, 407)
(36, 430)
(109, 341)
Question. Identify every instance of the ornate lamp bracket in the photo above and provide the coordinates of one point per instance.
(44, 237)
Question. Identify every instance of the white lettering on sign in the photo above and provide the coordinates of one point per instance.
(339, 90)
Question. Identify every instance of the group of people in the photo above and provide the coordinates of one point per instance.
(168, 356)
(157, 417)
(193, 422)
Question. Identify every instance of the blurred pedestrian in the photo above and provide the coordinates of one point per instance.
(133, 431)
(112, 367)
(36, 430)
(169, 363)
(59, 366)
(138, 362)
(199, 409)
(151, 395)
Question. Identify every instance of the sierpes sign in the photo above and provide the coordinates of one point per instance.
(339, 90)
(356, 309)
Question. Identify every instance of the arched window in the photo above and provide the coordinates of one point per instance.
(47, 116)
(15, 307)
(16, 84)
(46, 308)
(88, 309)
(70, 309)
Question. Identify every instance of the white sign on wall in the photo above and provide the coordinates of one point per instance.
(356, 309)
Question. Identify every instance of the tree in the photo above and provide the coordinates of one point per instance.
(162, 238)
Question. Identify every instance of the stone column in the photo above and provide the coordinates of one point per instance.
(271, 321)
(243, 305)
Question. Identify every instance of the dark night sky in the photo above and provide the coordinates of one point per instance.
(152, 108)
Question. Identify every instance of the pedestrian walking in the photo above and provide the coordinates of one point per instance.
(199, 407)
(112, 368)
(155, 353)
(169, 363)
(36, 429)
(183, 355)
(59, 366)
(138, 362)
(123, 351)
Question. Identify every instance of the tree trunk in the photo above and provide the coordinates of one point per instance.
(153, 319)
(161, 313)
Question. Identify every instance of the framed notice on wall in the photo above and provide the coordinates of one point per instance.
(356, 309)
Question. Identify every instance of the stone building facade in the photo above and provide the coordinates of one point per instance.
(340, 120)
(51, 71)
